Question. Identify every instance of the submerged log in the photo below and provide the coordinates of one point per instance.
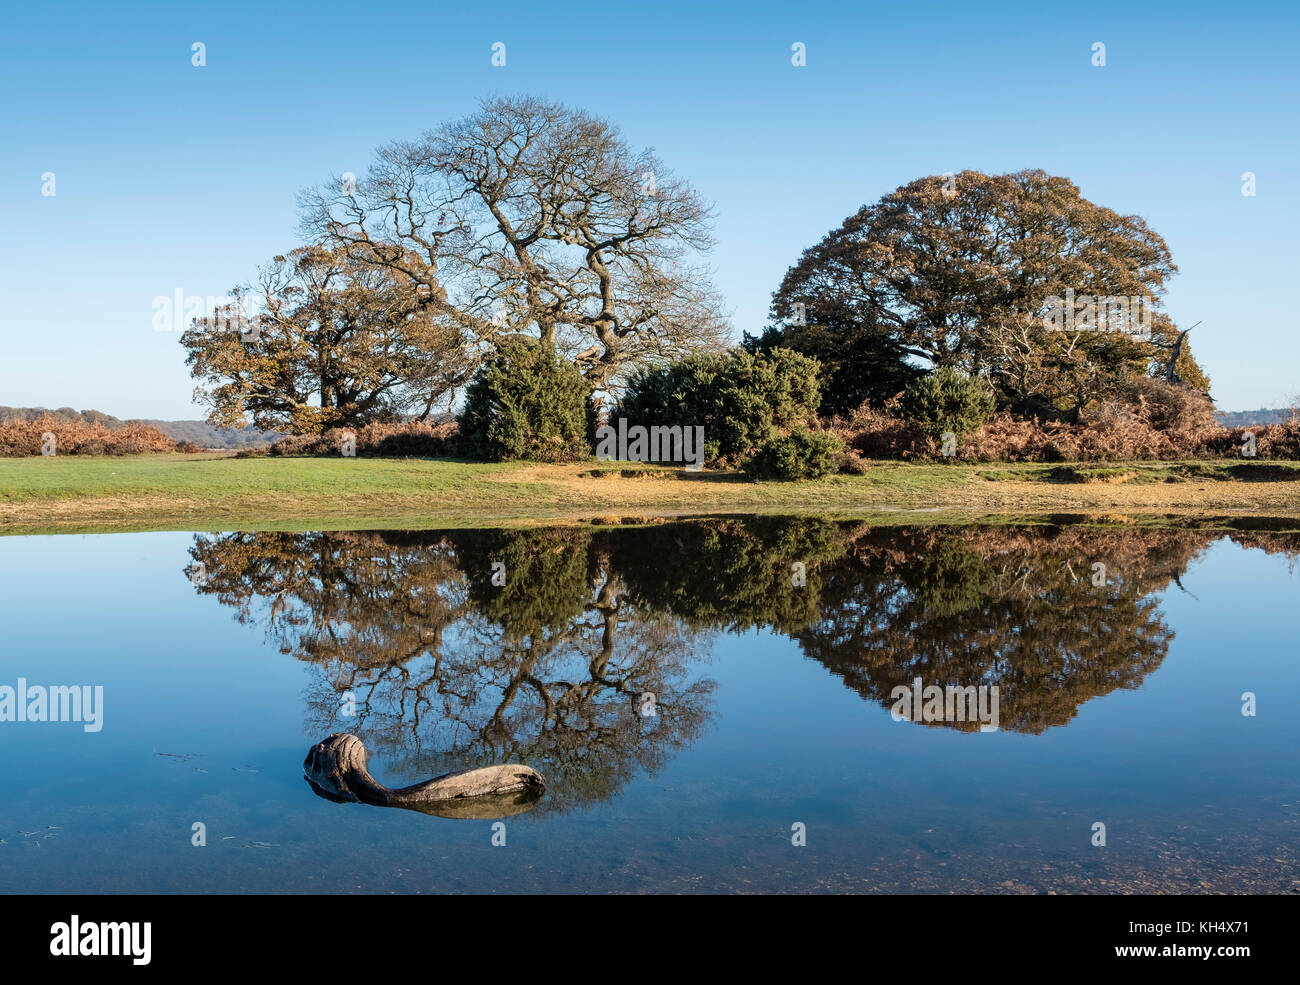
(336, 769)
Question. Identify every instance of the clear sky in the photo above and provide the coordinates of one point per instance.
(170, 176)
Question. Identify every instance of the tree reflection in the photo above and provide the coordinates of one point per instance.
(446, 670)
(450, 669)
(1020, 608)
(1014, 608)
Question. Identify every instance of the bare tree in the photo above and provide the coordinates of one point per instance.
(532, 219)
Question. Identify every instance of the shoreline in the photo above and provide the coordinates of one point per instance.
(217, 491)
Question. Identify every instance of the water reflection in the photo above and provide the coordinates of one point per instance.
(590, 661)
(444, 670)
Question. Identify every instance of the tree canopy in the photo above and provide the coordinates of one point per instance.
(320, 341)
(962, 271)
(529, 218)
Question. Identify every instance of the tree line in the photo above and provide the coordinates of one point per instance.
(529, 266)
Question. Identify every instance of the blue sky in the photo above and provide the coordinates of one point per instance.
(170, 176)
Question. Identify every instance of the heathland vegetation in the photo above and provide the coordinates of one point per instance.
(185, 434)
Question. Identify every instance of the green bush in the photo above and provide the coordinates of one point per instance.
(741, 399)
(858, 364)
(947, 400)
(798, 455)
(527, 403)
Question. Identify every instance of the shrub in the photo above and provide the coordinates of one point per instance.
(741, 399)
(1165, 419)
(858, 364)
(946, 400)
(77, 437)
(1284, 439)
(851, 463)
(798, 455)
(1169, 407)
(1280, 441)
(1144, 419)
(878, 433)
(1111, 433)
(399, 439)
(527, 403)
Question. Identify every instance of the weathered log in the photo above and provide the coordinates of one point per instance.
(336, 769)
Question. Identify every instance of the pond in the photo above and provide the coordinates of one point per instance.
(723, 704)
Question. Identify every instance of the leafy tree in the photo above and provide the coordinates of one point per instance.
(527, 403)
(322, 341)
(961, 271)
(739, 398)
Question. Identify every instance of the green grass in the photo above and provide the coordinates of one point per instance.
(210, 491)
(153, 491)
(214, 478)
(210, 476)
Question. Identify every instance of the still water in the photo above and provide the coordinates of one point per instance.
(712, 703)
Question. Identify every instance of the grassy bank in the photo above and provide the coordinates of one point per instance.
(212, 491)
